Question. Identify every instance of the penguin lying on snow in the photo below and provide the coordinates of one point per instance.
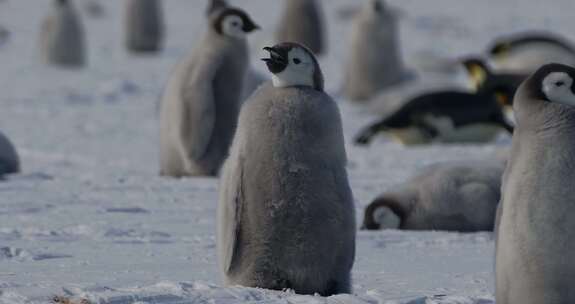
(201, 103)
(144, 26)
(452, 196)
(286, 214)
(446, 117)
(302, 22)
(535, 231)
(526, 52)
(62, 38)
(9, 161)
(375, 61)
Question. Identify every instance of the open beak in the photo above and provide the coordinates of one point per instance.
(277, 61)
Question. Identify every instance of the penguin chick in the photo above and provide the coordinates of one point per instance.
(375, 61)
(303, 22)
(253, 78)
(9, 160)
(62, 38)
(453, 196)
(526, 52)
(444, 117)
(286, 214)
(144, 27)
(201, 103)
(535, 236)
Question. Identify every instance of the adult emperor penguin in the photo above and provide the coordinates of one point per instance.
(375, 61)
(535, 232)
(201, 103)
(9, 161)
(62, 36)
(286, 214)
(444, 117)
(453, 196)
(526, 52)
(303, 22)
(144, 26)
(484, 78)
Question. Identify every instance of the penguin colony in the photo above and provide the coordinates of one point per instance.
(286, 216)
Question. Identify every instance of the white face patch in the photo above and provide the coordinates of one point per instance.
(232, 26)
(557, 88)
(386, 218)
(299, 71)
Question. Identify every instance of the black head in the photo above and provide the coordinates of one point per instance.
(477, 70)
(378, 6)
(293, 64)
(232, 22)
(552, 83)
(383, 213)
(216, 5)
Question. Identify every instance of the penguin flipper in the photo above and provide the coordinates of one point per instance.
(229, 212)
(199, 112)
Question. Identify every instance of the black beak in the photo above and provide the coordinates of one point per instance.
(250, 27)
(278, 60)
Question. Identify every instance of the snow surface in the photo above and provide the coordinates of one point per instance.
(90, 218)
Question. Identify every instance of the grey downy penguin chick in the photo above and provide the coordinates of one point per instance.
(253, 78)
(144, 26)
(200, 106)
(444, 117)
(375, 60)
(286, 213)
(9, 160)
(303, 22)
(453, 196)
(535, 236)
(526, 52)
(62, 37)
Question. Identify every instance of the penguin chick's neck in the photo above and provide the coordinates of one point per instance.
(286, 79)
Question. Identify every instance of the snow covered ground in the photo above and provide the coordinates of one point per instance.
(90, 218)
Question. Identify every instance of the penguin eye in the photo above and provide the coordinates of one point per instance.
(559, 83)
(296, 61)
(235, 23)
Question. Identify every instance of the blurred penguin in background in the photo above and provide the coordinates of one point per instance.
(62, 40)
(452, 196)
(253, 79)
(375, 61)
(215, 5)
(94, 9)
(444, 117)
(303, 22)
(9, 161)
(144, 26)
(526, 52)
(201, 103)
